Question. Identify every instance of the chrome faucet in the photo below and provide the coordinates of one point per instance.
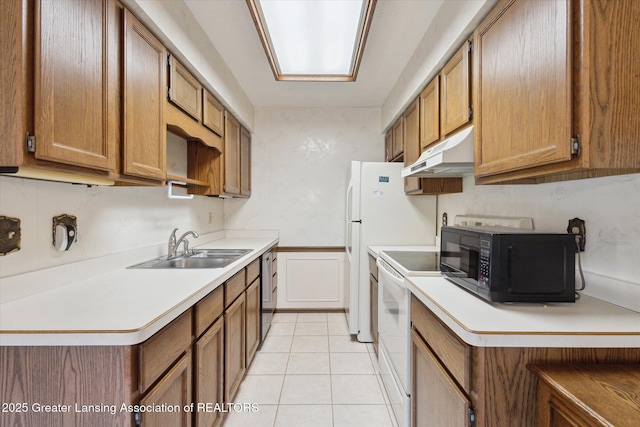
(174, 243)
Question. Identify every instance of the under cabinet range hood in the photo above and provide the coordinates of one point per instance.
(452, 157)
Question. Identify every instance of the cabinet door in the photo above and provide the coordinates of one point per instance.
(430, 114)
(234, 347)
(522, 84)
(456, 91)
(231, 155)
(209, 374)
(245, 162)
(76, 83)
(388, 146)
(252, 320)
(398, 139)
(184, 90)
(173, 389)
(411, 120)
(436, 399)
(144, 143)
(212, 113)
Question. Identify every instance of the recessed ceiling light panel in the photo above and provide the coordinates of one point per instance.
(313, 40)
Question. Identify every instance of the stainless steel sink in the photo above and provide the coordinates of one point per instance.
(200, 258)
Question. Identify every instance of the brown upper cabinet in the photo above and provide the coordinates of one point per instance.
(236, 171)
(144, 142)
(184, 90)
(60, 113)
(411, 132)
(397, 144)
(388, 146)
(245, 162)
(455, 80)
(76, 83)
(430, 114)
(556, 91)
(413, 119)
(212, 113)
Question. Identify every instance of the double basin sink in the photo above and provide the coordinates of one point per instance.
(200, 258)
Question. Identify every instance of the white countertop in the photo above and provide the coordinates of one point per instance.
(116, 307)
(589, 322)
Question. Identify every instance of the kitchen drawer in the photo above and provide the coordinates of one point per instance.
(454, 354)
(208, 309)
(234, 287)
(253, 271)
(160, 351)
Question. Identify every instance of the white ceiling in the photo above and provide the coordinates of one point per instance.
(396, 29)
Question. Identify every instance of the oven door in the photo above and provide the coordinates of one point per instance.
(394, 320)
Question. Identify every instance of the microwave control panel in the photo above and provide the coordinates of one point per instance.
(483, 273)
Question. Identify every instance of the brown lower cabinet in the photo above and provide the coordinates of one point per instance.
(200, 358)
(234, 347)
(455, 384)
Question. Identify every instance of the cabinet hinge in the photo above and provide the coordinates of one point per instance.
(137, 418)
(470, 46)
(470, 113)
(31, 143)
(575, 145)
(472, 416)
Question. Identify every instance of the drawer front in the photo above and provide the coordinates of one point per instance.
(253, 271)
(234, 287)
(208, 309)
(454, 354)
(160, 351)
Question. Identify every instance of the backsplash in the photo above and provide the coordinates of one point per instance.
(300, 158)
(610, 207)
(110, 219)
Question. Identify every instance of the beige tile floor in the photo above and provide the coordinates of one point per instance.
(309, 372)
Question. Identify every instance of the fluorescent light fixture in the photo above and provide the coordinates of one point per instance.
(313, 40)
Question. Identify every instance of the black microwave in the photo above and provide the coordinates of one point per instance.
(502, 264)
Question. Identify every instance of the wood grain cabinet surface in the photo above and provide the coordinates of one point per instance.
(455, 101)
(430, 114)
(185, 91)
(542, 112)
(234, 347)
(588, 395)
(212, 113)
(252, 321)
(209, 374)
(231, 155)
(76, 83)
(61, 88)
(412, 150)
(453, 382)
(397, 142)
(144, 143)
(173, 390)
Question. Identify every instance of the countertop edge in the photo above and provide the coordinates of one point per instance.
(137, 335)
(514, 339)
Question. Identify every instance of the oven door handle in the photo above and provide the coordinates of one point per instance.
(390, 273)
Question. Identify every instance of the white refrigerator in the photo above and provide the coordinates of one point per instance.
(378, 213)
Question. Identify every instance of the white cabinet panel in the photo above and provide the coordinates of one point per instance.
(310, 280)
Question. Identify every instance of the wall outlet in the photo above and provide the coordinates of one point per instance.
(576, 226)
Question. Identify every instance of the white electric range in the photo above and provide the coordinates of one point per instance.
(394, 320)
